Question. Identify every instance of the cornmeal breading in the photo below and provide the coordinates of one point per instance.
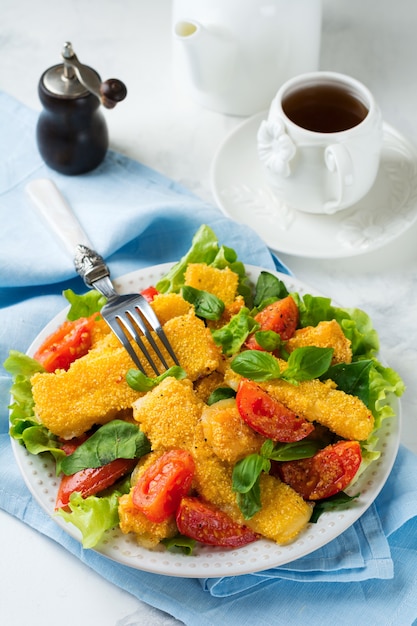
(169, 305)
(221, 283)
(193, 344)
(284, 513)
(343, 414)
(229, 436)
(148, 534)
(324, 335)
(93, 390)
(168, 414)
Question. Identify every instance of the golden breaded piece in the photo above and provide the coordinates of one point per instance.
(228, 435)
(203, 387)
(148, 534)
(284, 513)
(93, 390)
(193, 345)
(343, 414)
(221, 283)
(324, 335)
(168, 414)
(169, 305)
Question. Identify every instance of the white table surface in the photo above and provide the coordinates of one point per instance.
(373, 40)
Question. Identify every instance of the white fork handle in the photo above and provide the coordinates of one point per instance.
(57, 213)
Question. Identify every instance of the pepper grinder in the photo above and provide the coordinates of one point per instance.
(71, 132)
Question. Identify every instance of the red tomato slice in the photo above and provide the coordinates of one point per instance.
(206, 523)
(268, 416)
(329, 471)
(92, 480)
(69, 342)
(149, 293)
(281, 316)
(160, 488)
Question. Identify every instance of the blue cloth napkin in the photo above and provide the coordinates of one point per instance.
(136, 218)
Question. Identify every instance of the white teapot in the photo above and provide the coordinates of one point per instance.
(233, 55)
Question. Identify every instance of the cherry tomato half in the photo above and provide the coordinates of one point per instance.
(149, 293)
(281, 316)
(268, 416)
(90, 481)
(206, 523)
(327, 472)
(160, 488)
(69, 342)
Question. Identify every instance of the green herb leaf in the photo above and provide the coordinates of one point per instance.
(116, 440)
(352, 378)
(232, 336)
(291, 451)
(269, 286)
(256, 365)
(206, 304)
(85, 304)
(138, 381)
(221, 393)
(338, 501)
(269, 340)
(307, 363)
(180, 543)
(246, 483)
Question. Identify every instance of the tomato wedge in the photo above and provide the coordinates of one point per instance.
(268, 416)
(69, 342)
(329, 471)
(149, 293)
(160, 488)
(281, 316)
(206, 523)
(90, 481)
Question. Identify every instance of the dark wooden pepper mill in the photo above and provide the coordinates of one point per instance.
(71, 132)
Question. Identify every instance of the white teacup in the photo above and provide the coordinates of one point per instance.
(322, 141)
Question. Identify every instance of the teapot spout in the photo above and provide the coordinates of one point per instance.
(209, 52)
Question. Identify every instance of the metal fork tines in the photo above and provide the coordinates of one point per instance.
(131, 318)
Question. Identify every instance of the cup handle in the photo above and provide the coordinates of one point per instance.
(338, 160)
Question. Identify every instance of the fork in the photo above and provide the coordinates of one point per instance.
(130, 317)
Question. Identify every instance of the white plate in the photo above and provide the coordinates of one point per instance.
(390, 208)
(39, 475)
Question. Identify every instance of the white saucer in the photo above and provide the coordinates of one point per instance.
(242, 193)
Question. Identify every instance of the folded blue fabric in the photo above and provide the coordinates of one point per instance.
(137, 218)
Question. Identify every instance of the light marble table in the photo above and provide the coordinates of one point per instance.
(373, 40)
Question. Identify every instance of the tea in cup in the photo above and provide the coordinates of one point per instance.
(321, 143)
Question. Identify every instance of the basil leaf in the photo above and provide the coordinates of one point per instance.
(250, 503)
(293, 451)
(232, 336)
(246, 483)
(138, 381)
(269, 286)
(247, 471)
(352, 378)
(330, 504)
(307, 363)
(256, 365)
(221, 393)
(269, 340)
(116, 440)
(179, 543)
(206, 304)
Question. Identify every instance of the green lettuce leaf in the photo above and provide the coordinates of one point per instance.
(94, 515)
(83, 305)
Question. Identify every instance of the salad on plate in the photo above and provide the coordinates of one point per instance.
(270, 419)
